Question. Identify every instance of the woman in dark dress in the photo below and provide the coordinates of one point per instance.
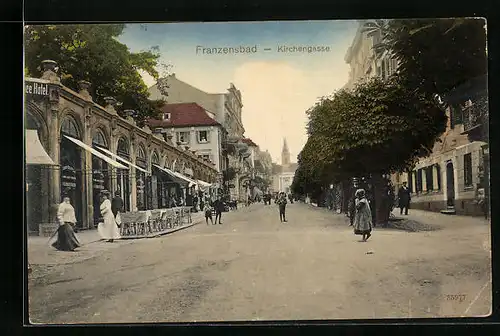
(66, 238)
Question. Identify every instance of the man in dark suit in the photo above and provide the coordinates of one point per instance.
(116, 204)
(218, 207)
(404, 198)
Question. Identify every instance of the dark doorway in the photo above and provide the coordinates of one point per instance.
(123, 178)
(33, 197)
(140, 177)
(450, 185)
(71, 176)
(100, 175)
(71, 168)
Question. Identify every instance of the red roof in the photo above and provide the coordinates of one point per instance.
(183, 114)
(249, 142)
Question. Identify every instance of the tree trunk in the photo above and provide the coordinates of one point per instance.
(382, 208)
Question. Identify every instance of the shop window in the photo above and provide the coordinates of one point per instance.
(468, 170)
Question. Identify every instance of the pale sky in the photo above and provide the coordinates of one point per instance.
(277, 87)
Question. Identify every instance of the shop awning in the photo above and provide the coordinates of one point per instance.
(123, 160)
(204, 185)
(178, 175)
(96, 153)
(184, 177)
(172, 175)
(35, 153)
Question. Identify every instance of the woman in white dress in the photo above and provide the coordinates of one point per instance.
(108, 229)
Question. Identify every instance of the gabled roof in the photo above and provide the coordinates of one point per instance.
(182, 115)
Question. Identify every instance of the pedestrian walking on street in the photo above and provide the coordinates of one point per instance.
(108, 229)
(208, 213)
(116, 204)
(404, 197)
(219, 207)
(363, 217)
(66, 238)
(282, 206)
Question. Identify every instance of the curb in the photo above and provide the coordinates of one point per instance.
(161, 234)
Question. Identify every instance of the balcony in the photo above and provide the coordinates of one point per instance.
(475, 120)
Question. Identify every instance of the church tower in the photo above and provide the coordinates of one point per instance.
(285, 154)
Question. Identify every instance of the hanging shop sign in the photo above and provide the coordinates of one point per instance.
(98, 180)
(36, 89)
(68, 177)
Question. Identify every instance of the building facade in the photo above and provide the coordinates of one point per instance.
(194, 128)
(364, 63)
(457, 170)
(75, 132)
(226, 109)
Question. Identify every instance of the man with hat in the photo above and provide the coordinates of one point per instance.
(116, 204)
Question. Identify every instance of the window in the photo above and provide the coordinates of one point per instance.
(206, 156)
(99, 139)
(429, 178)
(468, 170)
(419, 180)
(410, 181)
(202, 136)
(166, 116)
(438, 173)
(70, 128)
(183, 137)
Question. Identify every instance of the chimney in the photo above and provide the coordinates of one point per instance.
(110, 105)
(84, 87)
(49, 68)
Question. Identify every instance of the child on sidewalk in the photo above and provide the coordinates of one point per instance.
(208, 213)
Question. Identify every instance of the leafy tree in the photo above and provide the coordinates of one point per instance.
(93, 53)
(379, 127)
(434, 55)
(352, 130)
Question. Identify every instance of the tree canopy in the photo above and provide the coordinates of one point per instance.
(378, 127)
(92, 52)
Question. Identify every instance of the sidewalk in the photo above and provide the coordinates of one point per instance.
(40, 252)
(442, 220)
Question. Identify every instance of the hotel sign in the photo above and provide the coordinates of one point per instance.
(37, 89)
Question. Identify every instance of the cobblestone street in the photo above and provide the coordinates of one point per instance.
(255, 268)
